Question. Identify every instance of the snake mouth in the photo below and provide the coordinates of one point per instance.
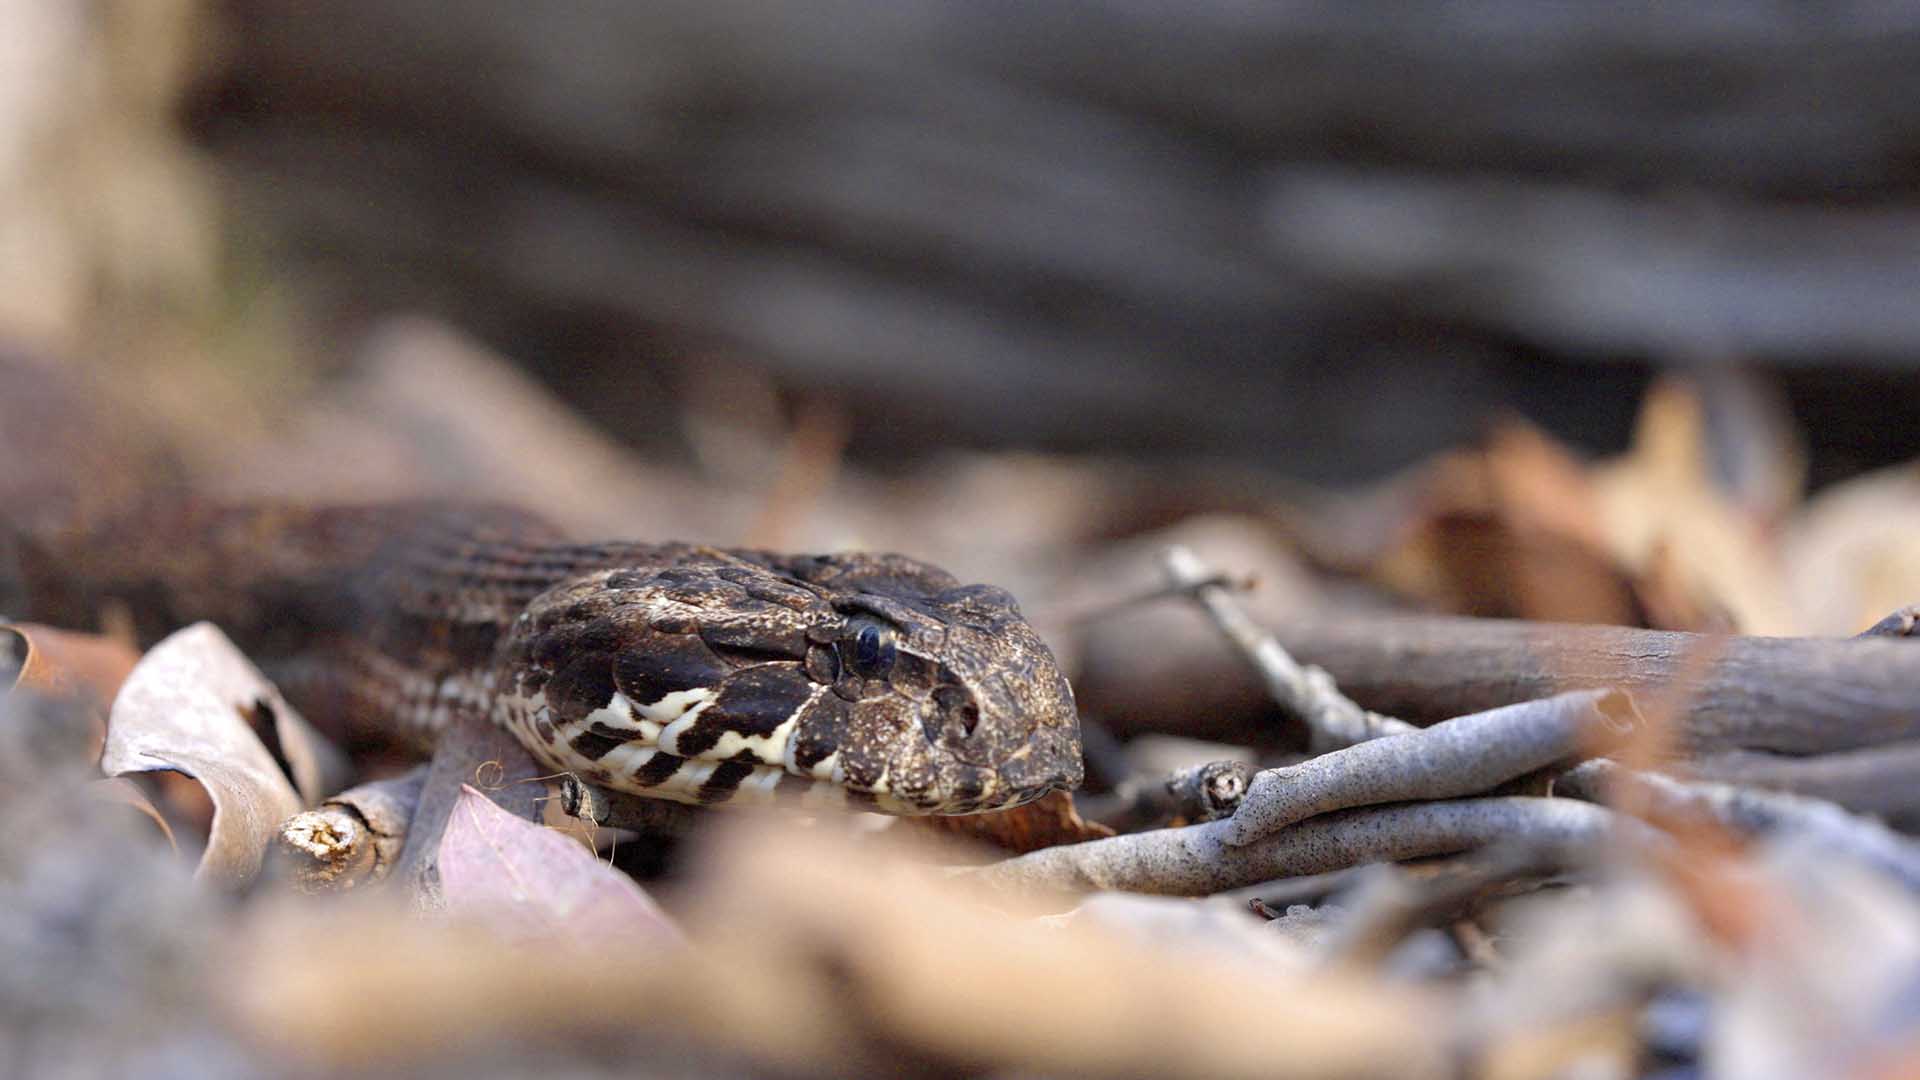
(642, 748)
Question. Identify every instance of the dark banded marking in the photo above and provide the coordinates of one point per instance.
(666, 664)
(600, 740)
(583, 685)
(821, 731)
(725, 781)
(752, 704)
(658, 770)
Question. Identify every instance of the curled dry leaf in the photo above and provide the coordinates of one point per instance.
(185, 708)
(84, 667)
(123, 792)
(538, 884)
(316, 766)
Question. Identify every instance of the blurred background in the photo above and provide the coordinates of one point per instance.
(1578, 311)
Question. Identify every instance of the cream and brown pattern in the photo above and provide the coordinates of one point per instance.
(667, 670)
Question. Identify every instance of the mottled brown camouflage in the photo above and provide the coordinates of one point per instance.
(670, 670)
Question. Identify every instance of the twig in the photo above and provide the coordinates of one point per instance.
(1196, 860)
(1897, 625)
(1386, 909)
(1882, 780)
(1462, 756)
(1169, 591)
(352, 839)
(1269, 897)
(1749, 812)
(1205, 792)
(1332, 720)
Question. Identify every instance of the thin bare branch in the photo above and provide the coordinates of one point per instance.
(1900, 624)
(1197, 860)
(1332, 720)
(1462, 756)
(1751, 813)
(1881, 780)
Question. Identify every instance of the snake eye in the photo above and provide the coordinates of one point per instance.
(873, 650)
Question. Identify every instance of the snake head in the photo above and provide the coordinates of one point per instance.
(720, 677)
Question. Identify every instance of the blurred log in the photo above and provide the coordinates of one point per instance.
(1791, 695)
(1578, 269)
(1101, 221)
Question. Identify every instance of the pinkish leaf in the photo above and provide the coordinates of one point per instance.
(537, 883)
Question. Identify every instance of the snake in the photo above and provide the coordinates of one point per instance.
(665, 670)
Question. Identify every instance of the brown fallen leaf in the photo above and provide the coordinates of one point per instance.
(185, 708)
(1518, 528)
(87, 668)
(1043, 823)
(533, 883)
(1663, 503)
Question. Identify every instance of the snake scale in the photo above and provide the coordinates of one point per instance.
(672, 670)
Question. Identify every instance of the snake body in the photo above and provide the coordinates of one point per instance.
(672, 671)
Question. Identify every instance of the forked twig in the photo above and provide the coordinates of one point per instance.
(1333, 720)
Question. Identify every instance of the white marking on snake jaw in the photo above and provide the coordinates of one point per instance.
(673, 706)
(758, 786)
(620, 763)
(627, 758)
(621, 714)
(769, 748)
(670, 735)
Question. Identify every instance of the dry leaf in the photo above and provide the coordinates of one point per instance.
(824, 954)
(124, 792)
(185, 708)
(1043, 823)
(536, 883)
(1515, 529)
(1662, 502)
(1854, 554)
(316, 766)
(88, 668)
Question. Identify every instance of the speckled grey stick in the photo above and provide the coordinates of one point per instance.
(1333, 720)
(1753, 813)
(1883, 781)
(1462, 756)
(1196, 860)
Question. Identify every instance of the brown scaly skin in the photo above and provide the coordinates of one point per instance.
(875, 673)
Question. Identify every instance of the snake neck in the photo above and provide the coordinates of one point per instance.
(352, 609)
